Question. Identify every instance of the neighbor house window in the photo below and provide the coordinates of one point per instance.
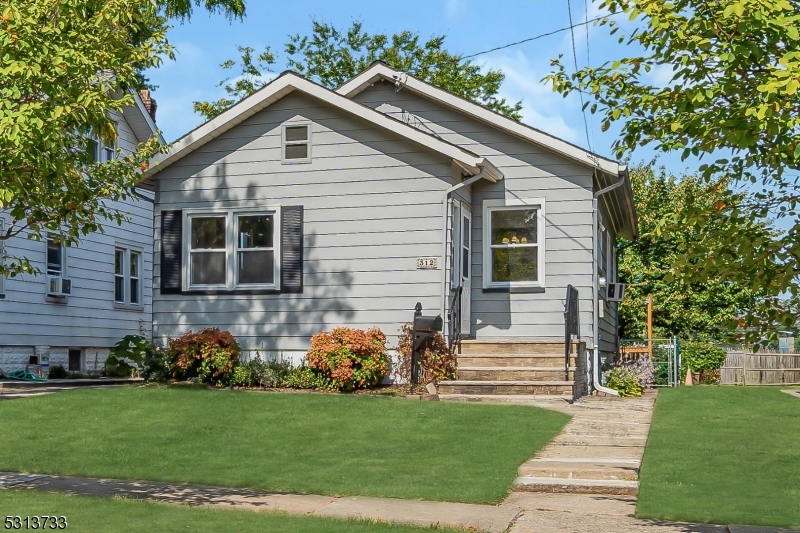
(127, 276)
(55, 257)
(513, 248)
(231, 249)
(135, 277)
(99, 152)
(296, 143)
(119, 276)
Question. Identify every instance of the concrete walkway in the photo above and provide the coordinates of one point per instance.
(598, 452)
(489, 518)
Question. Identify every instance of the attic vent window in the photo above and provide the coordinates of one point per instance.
(297, 143)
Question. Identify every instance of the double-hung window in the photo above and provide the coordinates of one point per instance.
(99, 152)
(127, 276)
(296, 142)
(231, 249)
(55, 257)
(513, 243)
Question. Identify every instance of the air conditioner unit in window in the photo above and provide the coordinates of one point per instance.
(615, 292)
(58, 286)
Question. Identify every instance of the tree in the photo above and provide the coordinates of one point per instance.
(733, 98)
(708, 308)
(68, 66)
(331, 57)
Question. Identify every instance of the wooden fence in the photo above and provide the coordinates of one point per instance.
(747, 368)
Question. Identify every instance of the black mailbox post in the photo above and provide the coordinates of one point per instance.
(424, 328)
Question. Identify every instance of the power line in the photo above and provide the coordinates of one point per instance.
(575, 57)
(529, 39)
(588, 56)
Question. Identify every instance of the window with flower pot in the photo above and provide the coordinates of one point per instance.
(513, 243)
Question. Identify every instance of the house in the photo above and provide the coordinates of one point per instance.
(300, 208)
(89, 296)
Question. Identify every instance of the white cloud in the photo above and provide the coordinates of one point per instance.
(453, 7)
(541, 107)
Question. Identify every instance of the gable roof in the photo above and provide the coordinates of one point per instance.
(139, 119)
(619, 202)
(290, 81)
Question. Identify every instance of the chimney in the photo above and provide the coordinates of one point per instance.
(149, 103)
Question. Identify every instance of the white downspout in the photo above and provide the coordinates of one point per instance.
(445, 216)
(596, 285)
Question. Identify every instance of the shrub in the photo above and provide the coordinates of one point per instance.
(130, 348)
(630, 378)
(701, 356)
(210, 355)
(436, 362)
(349, 358)
(58, 372)
(276, 374)
(303, 377)
(622, 380)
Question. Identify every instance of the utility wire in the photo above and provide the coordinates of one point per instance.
(588, 56)
(529, 39)
(575, 57)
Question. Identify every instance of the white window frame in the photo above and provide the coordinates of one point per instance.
(490, 206)
(120, 275)
(127, 300)
(285, 143)
(101, 154)
(128, 289)
(63, 273)
(231, 217)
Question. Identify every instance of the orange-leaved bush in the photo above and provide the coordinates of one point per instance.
(210, 355)
(436, 362)
(349, 358)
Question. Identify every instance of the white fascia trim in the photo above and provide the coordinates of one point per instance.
(382, 71)
(282, 86)
(146, 115)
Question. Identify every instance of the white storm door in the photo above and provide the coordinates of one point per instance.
(465, 260)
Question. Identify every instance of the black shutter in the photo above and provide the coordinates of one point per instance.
(292, 248)
(171, 250)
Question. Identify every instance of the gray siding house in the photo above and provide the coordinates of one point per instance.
(300, 209)
(108, 276)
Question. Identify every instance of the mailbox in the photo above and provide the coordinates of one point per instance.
(423, 330)
(428, 324)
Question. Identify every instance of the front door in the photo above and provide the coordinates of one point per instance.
(465, 259)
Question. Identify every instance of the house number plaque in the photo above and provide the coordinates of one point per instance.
(428, 262)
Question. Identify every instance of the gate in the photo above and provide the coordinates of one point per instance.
(664, 353)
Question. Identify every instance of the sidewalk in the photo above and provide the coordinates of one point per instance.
(487, 518)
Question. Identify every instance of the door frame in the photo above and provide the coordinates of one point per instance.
(465, 281)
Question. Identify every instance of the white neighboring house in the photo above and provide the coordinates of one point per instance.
(86, 297)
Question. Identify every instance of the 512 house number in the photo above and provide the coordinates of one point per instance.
(428, 262)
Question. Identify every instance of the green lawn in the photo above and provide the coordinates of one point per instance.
(101, 515)
(724, 455)
(314, 443)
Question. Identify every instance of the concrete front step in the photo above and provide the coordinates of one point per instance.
(597, 469)
(490, 360)
(515, 347)
(617, 487)
(521, 373)
(550, 388)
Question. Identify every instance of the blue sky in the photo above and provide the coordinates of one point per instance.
(470, 26)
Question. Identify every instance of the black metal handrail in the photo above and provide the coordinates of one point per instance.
(572, 324)
(454, 320)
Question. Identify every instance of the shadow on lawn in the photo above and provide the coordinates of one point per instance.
(168, 492)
